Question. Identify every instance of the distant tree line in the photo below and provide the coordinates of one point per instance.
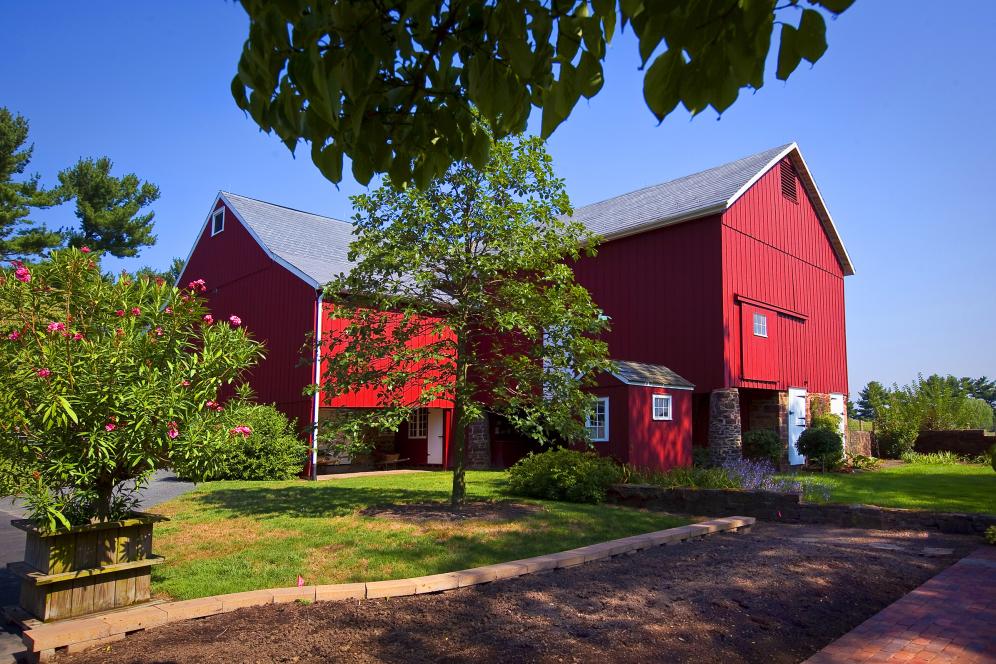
(935, 403)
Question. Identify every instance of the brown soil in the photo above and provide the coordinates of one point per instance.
(775, 595)
(419, 512)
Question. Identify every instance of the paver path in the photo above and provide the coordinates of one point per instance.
(951, 618)
(164, 486)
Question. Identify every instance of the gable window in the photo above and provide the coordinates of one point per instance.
(661, 407)
(217, 221)
(788, 178)
(597, 422)
(418, 424)
(760, 325)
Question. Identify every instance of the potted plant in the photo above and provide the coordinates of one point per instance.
(106, 380)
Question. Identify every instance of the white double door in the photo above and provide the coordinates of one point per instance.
(796, 423)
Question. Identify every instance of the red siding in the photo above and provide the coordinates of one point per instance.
(274, 305)
(777, 253)
(659, 444)
(662, 290)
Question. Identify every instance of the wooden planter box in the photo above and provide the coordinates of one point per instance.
(86, 569)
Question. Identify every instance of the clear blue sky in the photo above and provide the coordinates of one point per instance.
(896, 123)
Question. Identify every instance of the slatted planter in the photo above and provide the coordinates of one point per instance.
(86, 569)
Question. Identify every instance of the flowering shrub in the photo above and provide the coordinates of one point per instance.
(759, 475)
(107, 380)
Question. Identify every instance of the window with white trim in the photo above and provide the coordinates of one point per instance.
(418, 423)
(217, 221)
(760, 325)
(597, 422)
(661, 407)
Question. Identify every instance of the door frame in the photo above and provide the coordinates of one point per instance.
(794, 457)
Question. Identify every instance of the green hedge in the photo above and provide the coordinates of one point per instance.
(564, 474)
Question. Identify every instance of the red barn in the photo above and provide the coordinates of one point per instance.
(733, 278)
(267, 264)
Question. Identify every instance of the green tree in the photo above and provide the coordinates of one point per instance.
(981, 388)
(108, 208)
(395, 85)
(107, 380)
(979, 414)
(869, 398)
(464, 292)
(20, 236)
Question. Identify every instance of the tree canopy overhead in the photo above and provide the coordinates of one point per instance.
(393, 84)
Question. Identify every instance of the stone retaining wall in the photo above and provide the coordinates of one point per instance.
(790, 508)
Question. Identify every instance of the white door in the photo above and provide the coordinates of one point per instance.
(796, 423)
(435, 437)
(838, 408)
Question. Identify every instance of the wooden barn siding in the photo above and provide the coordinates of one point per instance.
(662, 290)
(659, 444)
(274, 305)
(776, 252)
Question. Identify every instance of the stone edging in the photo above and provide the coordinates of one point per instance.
(790, 508)
(79, 634)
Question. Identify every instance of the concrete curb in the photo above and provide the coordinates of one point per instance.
(75, 635)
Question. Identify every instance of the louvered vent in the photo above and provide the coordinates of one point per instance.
(789, 190)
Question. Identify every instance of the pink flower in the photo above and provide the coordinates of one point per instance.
(241, 430)
(22, 274)
(197, 285)
(208, 318)
(119, 313)
(159, 331)
(77, 337)
(135, 311)
(160, 281)
(235, 321)
(86, 250)
(209, 404)
(168, 310)
(110, 426)
(43, 373)
(56, 327)
(14, 336)
(172, 430)
(185, 383)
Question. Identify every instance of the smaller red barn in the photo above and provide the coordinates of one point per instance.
(643, 416)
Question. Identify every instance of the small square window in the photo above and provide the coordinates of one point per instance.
(217, 221)
(418, 424)
(597, 422)
(661, 407)
(760, 325)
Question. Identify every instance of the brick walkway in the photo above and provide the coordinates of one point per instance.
(951, 618)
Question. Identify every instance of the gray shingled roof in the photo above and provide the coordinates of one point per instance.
(315, 246)
(652, 375)
(685, 198)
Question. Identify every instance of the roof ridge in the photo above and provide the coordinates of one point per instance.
(286, 207)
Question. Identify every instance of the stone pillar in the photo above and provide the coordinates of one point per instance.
(479, 444)
(724, 425)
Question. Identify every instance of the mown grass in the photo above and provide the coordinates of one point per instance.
(954, 487)
(234, 536)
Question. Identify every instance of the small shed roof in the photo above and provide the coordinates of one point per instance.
(314, 247)
(698, 195)
(648, 375)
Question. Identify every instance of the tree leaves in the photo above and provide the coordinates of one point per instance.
(394, 85)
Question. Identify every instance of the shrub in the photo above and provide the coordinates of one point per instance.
(991, 535)
(862, 462)
(931, 458)
(763, 444)
(826, 421)
(564, 474)
(270, 450)
(992, 456)
(893, 444)
(701, 457)
(683, 478)
(823, 445)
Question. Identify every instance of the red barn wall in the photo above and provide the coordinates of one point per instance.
(659, 444)
(776, 253)
(662, 290)
(274, 305)
(617, 446)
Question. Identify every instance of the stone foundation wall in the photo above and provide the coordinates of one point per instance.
(790, 508)
(478, 445)
(724, 426)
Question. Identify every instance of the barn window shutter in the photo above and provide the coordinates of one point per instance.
(789, 189)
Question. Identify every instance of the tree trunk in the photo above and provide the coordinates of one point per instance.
(105, 492)
(459, 494)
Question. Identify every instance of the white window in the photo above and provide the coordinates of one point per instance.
(598, 421)
(760, 325)
(418, 424)
(217, 221)
(661, 407)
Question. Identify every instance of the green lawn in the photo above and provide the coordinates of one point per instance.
(234, 536)
(943, 488)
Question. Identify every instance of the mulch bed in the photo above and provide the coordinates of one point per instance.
(496, 511)
(775, 595)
